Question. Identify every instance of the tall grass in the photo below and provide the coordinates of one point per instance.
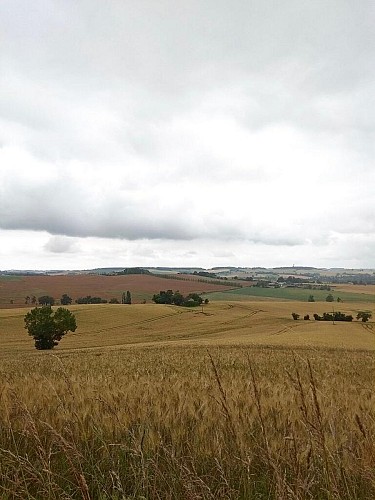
(171, 423)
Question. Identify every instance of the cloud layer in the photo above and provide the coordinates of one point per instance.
(205, 131)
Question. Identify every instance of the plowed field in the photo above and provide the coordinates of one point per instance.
(142, 287)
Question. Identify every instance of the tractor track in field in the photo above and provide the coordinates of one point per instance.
(368, 328)
(137, 323)
(252, 312)
(285, 329)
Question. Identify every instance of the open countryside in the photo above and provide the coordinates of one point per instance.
(16, 288)
(229, 400)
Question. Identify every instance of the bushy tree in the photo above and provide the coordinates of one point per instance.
(330, 298)
(364, 316)
(48, 327)
(46, 300)
(65, 300)
(91, 300)
(311, 298)
(176, 298)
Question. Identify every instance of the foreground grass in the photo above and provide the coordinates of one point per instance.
(186, 422)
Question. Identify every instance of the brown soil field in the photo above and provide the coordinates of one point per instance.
(141, 287)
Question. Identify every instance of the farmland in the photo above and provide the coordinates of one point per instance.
(232, 401)
(347, 293)
(252, 323)
(16, 288)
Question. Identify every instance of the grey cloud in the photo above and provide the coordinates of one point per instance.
(63, 208)
(61, 244)
(149, 93)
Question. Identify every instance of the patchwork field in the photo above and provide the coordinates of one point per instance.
(147, 401)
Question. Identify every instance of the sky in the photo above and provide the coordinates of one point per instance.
(187, 133)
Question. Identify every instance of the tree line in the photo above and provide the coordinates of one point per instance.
(66, 300)
(177, 299)
(364, 316)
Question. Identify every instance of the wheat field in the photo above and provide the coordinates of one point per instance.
(158, 402)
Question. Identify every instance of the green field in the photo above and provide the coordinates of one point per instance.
(253, 292)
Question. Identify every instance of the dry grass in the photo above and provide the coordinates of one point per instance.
(185, 405)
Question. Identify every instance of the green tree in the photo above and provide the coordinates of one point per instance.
(46, 300)
(48, 327)
(126, 298)
(65, 300)
(311, 298)
(330, 298)
(178, 298)
(364, 316)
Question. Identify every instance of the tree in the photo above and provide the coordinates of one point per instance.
(48, 327)
(46, 300)
(65, 300)
(126, 298)
(91, 300)
(330, 298)
(114, 301)
(176, 298)
(311, 298)
(364, 316)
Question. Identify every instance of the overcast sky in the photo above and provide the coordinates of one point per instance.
(187, 133)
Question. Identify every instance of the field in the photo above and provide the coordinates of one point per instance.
(142, 287)
(235, 401)
(347, 293)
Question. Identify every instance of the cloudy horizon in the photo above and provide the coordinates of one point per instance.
(160, 133)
